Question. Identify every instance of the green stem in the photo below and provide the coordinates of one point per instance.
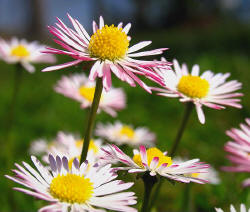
(8, 145)
(189, 108)
(149, 182)
(156, 192)
(91, 119)
(16, 88)
(186, 204)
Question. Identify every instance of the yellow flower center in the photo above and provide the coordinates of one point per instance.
(71, 188)
(20, 51)
(151, 153)
(127, 131)
(92, 145)
(88, 93)
(195, 175)
(193, 86)
(108, 43)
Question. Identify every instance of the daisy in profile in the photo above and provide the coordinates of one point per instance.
(21, 51)
(108, 48)
(68, 145)
(232, 209)
(211, 175)
(39, 147)
(125, 134)
(207, 89)
(239, 150)
(156, 162)
(81, 89)
(74, 189)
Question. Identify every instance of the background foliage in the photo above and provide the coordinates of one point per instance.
(221, 46)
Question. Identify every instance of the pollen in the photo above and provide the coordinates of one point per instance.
(151, 153)
(193, 86)
(71, 188)
(20, 51)
(109, 43)
(127, 131)
(195, 175)
(88, 93)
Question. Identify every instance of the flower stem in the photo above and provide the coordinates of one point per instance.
(189, 108)
(149, 182)
(156, 192)
(8, 145)
(91, 119)
(16, 88)
(187, 198)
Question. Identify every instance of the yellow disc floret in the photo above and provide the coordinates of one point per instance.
(195, 175)
(127, 131)
(88, 93)
(109, 43)
(20, 51)
(92, 145)
(151, 153)
(71, 188)
(193, 86)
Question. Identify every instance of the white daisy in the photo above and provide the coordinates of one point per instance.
(208, 89)
(156, 162)
(74, 189)
(125, 134)
(108, 48)
(211, 175)
(38, 147)
(81, 89)
(25, 53)
(239, 150)
(232, 209)
(69, 145)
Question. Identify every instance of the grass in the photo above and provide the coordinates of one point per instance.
(41, 113)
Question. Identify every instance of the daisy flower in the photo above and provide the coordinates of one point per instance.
(156, 162)
(108, 48)
(38, 147)
(81, 89)
(25, 53)
(69, 145)
(239, 150)
(125, 134)
(232, 209)
(74, 189)
(211, 175)
(207, 89)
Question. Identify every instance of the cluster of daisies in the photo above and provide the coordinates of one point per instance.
(66, 183)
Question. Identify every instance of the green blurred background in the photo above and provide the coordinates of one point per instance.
(213, 37)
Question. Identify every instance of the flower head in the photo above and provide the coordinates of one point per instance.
(81, 89)
(207, 89)
(67, 145)
(125, 134)
(74, 188)
(239, 150)
(108, 47)
(38, 147)
(232, 209)
(23, 52)
(211, 175)
(156, 162)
